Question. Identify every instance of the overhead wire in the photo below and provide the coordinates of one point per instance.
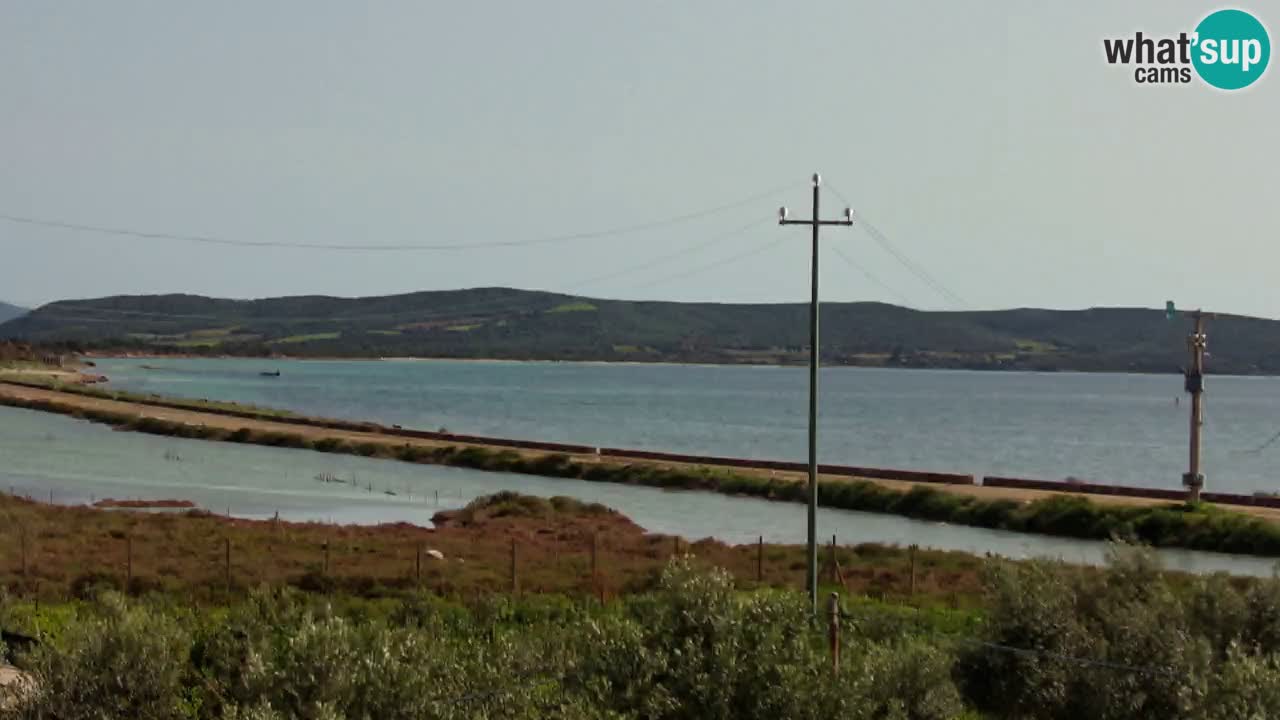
(913, 267)
(709, 242)
(870, 276)
(749, 252)
(491, 306)
(403, 247)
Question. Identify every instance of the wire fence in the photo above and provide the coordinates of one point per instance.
(837, 618)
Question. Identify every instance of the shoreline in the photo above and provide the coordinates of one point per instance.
(1249, 530)
(96, 355)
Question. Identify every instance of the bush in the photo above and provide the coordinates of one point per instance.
(125, 662)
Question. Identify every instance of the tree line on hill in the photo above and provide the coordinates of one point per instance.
(529, 325)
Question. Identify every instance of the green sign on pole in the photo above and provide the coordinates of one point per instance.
(1169, 310)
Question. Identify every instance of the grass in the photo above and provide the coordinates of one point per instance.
(1196, 527)
(569, 307)
(293, 339)
(214, 332)
(1034, 346)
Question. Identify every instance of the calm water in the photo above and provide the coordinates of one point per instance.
(1123, 429)
(78, 461)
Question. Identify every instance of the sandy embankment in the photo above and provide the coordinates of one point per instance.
(227, 422)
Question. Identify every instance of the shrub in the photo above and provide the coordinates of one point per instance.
(126, 662)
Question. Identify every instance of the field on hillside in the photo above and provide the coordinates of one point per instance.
(519, 324)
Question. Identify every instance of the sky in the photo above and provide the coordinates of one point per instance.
(989, 142)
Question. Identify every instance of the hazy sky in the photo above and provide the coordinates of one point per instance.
(989, 141)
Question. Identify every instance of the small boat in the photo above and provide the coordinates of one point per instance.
(272, 373)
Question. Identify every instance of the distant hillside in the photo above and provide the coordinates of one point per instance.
(9, 312)
(520, 324)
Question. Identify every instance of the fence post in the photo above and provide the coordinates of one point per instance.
(676, 552)
(515, 581)
(834, 631)
(913, 570)
(128, 562)
(226, 553)
(326, 558)
(594, 579)
(417, 565)
(24, 554)
(835, 567)
(760, 559)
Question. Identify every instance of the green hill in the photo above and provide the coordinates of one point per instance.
(521, 324)
(9, 312)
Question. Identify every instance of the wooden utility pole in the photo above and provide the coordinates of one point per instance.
(1197, 341)
(811, 571)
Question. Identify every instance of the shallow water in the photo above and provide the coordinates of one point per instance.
(1123, 429)
(79, 462)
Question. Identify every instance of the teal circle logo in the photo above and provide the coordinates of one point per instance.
(1232, 49)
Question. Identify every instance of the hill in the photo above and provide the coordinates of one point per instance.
(9, 312)
(522, 324)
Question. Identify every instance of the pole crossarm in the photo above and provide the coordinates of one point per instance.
(815, 222)
(845, 223)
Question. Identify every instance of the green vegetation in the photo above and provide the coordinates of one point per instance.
(512, 504)
(1196, 527)
(1050, 643)
(579, 306)
(306, 338)
(75, 550)
(518, 324)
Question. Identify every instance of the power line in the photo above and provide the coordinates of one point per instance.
(211, 240)
(1263, 446)
(754, 250)
(914, 268)
(713, 240)
(868, 275)
(492, 306)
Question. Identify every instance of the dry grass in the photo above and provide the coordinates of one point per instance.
(71, 550)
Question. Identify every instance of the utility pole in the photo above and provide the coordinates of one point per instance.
(811, 573)
(1197, 341)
